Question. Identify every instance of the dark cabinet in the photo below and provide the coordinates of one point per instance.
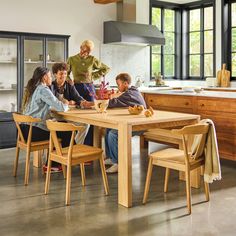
(20, 54)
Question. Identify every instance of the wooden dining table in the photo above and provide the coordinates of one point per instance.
(121, 120)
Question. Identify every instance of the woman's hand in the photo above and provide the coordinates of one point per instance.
(65, 101)
(86, 104)
(71, 102)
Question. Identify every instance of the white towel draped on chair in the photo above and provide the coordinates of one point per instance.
(212, 161)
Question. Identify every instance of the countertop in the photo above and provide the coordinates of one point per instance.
(220, 94)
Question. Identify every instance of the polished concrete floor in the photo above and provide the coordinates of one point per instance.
(27, 211)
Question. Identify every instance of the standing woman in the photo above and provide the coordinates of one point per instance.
(37, 102)
(85, 69)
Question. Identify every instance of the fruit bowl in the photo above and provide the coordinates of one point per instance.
(136, 110)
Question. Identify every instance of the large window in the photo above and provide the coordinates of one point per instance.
(189, 31)
(201, 42)
(163, 57)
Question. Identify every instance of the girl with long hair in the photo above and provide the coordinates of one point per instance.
(38, 101)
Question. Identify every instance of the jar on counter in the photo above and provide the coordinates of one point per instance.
(48, 57)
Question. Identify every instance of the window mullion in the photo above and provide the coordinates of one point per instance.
(202, 72)
(162, 47)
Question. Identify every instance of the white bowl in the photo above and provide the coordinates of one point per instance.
(188, 89)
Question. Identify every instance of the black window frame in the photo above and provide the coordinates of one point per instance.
(182, 52)
(178, 40)
(227, 35)
(201, 6)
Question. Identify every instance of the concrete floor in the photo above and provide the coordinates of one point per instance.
(27, 211)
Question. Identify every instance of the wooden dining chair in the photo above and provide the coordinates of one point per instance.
(70, 156)
(181, 160)
(27, 145)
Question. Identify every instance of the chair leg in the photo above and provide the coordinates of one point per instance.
(47, 156)
(68, 183)
(82, 171)
(166, 180)
(48, 176)
(42, 160)
(27, 166)
(104, 175)
(207, 192)
(143, 143)
(188, 191)
(16, 160)
(64, 170)
(148, 179)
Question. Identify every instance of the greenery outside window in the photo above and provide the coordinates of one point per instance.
(163, 58)
(233, 39)
(201, 42)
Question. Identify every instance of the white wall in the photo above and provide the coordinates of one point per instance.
(82, 19)
(134, 60)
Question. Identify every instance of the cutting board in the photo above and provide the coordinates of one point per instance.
(223, 77)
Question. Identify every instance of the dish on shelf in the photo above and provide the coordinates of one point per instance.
(13, 86)
(8, 61)
(196, 89)
(33, 62)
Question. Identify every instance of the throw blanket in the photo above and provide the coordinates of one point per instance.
(212, 161)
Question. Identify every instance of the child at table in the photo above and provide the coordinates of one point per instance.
(128, 96)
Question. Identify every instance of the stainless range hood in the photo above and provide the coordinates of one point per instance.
(127, 31)
(116, 32)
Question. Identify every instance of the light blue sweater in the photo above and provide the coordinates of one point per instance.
(41, 103)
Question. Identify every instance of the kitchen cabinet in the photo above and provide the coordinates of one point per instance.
(220, 110)
(176, 103)
(20, 54)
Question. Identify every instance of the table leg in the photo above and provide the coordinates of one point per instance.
(125, 165)
(37, 161)
(143, 142)
(97, 137)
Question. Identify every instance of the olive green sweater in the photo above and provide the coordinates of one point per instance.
(79, 66)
